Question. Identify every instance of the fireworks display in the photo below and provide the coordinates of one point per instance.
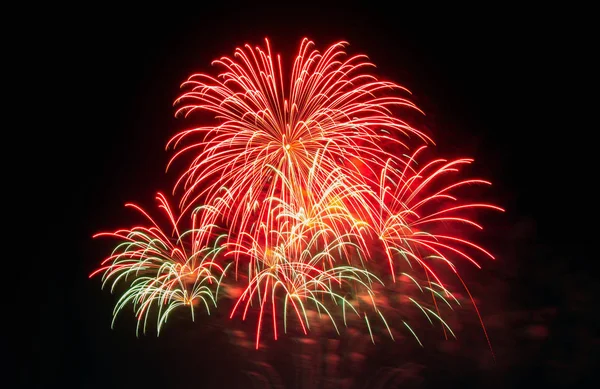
(303, 197)
(162, 267)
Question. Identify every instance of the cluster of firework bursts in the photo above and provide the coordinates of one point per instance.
(303, 200)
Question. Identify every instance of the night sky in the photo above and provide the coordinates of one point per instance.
(506, 86)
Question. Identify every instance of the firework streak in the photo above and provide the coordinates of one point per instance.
(309, 191)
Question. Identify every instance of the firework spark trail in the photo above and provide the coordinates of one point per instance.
(162, 267)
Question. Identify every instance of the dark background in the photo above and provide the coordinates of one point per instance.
(508, 86)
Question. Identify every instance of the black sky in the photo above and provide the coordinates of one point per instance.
(505, 85)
